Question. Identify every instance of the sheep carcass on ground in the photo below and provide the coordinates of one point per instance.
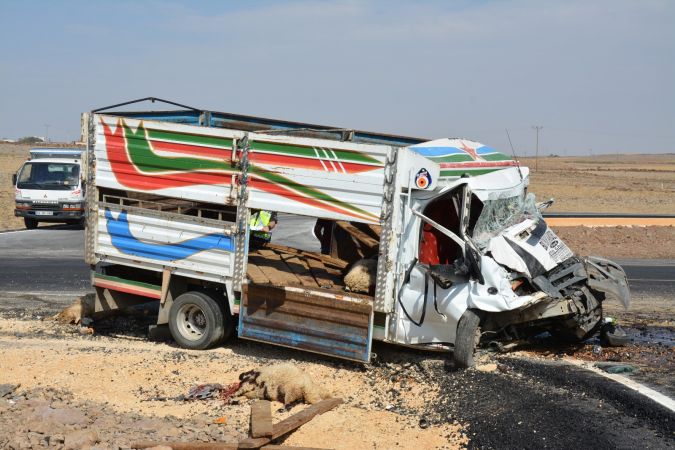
(284, 383)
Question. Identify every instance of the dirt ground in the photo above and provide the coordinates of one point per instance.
(609, 183)
(11, 158)
(125, 388)
(620, 242)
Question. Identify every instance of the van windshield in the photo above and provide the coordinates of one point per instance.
(49, 175)
(501, 211)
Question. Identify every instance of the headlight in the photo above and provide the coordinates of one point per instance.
(72, 205)
(23, 204)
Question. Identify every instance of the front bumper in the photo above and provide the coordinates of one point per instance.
(50, 215)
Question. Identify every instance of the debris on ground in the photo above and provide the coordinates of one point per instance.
(262, 430)
(6, 389)
(203, 392)
(613, 335)
(617, 368)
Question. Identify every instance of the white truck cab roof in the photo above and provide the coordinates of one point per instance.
(56, 154)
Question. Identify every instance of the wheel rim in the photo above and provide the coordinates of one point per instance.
(191, 322)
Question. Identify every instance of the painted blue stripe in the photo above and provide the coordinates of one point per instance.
(445, 151)
(125, 242)
(437, 151)
(485, 150)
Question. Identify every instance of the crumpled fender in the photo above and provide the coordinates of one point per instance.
(496, 295)
(608, 277)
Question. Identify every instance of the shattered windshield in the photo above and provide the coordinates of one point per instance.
(500, 211)
(47, 175)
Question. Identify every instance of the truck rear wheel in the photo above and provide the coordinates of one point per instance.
(197, 321)
(467, 339)
(30, 223)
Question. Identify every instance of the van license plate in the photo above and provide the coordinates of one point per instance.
(44, 213)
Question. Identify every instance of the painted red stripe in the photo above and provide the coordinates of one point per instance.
(211, 152)
(479, 164)
(278, 189)
(126, 289)
(308, 163)
(127, 174)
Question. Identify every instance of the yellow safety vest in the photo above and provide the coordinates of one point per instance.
(261, 219)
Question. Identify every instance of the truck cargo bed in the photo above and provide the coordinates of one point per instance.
(278, 265)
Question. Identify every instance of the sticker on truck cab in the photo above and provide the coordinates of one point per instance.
(423, 179)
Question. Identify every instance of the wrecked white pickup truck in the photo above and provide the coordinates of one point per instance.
(462, 250)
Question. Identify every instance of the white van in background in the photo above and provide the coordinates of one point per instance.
(50, 187)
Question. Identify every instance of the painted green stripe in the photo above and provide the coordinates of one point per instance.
(468, 171)
(496, 157)
(146, 161)
(310, 192)
(451, 158)
(129, 282)
(308, 152)
(196, 139)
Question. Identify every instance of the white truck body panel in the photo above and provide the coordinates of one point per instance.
(314, 177)
(191, 247)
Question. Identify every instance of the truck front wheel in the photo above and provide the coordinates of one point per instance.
(197, 321)
(30, 223)
(467, 339)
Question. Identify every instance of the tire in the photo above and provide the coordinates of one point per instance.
(197, 320)
(30, 223)
(467, 338)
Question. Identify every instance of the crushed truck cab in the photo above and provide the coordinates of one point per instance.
(458, 249)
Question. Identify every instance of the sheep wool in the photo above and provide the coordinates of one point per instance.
(284, 383)
(361, 277)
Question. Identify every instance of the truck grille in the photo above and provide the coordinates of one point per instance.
(43, 206)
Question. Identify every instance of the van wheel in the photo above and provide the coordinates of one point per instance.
(197, 320)
(30, 223)
(467, 339)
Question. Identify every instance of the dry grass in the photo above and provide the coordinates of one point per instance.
(11, 158)
(615, 183)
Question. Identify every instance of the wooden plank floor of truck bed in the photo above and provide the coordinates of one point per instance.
(278, 265)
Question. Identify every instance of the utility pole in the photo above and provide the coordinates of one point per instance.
(47, 132)
(536, 154)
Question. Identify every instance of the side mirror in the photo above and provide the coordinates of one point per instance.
(14, 180)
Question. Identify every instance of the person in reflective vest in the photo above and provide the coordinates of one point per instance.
(261, 224)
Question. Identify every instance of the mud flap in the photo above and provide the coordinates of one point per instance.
(315, 321)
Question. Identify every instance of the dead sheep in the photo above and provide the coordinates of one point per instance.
(361, 277)
(284, 383)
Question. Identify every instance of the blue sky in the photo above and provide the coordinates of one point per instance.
(598, 75)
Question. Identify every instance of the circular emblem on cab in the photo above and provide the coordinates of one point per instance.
(422, 179)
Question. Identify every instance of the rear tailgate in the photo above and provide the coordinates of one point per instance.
(315, 321)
